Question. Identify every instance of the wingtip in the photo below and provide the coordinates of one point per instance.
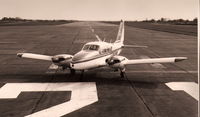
(178, 59)
(19, 55)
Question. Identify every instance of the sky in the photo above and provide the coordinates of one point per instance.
(99, 9)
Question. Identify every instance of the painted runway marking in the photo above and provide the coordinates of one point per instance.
(53, 66)
(189, 87)
(52, 69)
(92, 29)
(98, 37)
(155, 65)
(83, 94)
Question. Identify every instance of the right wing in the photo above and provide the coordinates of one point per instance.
(154, 60)
(35, 56)
(133, 46)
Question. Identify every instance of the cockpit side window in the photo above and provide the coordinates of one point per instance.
(91, 47)
(86, 47)
(94, 47)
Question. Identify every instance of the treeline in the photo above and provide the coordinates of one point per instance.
(174, 21)
(10, 21)
(18, 19)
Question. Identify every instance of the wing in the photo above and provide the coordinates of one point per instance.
(35, 56)
(133, 46)
(55, 59)
(154, 60)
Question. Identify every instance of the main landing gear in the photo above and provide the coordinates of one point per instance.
(82, 73)
(122, 74)
(72, 71)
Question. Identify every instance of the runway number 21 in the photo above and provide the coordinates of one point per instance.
(83, 94)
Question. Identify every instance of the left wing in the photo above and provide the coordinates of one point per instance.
(154, 60)
(35, 56)
(63, 60)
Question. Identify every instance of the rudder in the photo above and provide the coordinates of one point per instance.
(120, 35)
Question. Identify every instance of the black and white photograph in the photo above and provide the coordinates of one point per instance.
(99, 58)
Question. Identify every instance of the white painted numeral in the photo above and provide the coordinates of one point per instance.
(189, 87)
(83, 94)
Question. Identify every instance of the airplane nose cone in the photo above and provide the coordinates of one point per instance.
(79, 56)
(84, 55)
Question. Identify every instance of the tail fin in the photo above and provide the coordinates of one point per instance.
(120, 35)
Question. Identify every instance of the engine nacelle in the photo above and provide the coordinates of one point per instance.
(116, 62)
(62, 60)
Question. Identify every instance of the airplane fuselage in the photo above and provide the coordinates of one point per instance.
(88, 58)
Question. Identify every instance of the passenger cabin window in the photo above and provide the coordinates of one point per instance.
(106, 50)
(91, 47)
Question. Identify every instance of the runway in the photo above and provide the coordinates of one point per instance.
(30, 88)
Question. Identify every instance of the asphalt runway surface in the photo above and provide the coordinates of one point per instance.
(29, 88)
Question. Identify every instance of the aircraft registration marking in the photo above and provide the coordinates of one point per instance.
(83, 94)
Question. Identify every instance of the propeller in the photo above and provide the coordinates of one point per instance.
(62, 60)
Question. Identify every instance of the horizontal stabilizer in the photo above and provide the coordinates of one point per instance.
(34, 56)
(133, 46)
(155, 60)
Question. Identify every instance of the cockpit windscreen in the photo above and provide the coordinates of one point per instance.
(91, 47)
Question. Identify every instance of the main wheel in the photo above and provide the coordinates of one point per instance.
(122, 74)
(72, 71)
(82, 73)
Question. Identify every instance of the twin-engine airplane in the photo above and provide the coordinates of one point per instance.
(99, 54)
